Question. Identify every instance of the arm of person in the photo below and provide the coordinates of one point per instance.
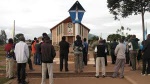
(27, 51)
(116, 50)
(53, 52)
(95, 49)
(73, 46)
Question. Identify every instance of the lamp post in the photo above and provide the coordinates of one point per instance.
(76, 13)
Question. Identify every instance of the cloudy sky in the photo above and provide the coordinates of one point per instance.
(33, 17)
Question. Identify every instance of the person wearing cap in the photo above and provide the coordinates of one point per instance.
(22, 55)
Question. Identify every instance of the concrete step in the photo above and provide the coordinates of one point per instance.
(68, 74)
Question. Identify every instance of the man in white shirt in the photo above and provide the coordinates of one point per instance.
(120, 61)
(22, 55)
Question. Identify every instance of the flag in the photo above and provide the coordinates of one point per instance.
(145, 36)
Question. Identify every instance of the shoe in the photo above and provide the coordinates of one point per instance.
(12, 77)
(132, 69)
(81, 71)
(148, 74)
(96, 76)
(61, 70)
(32, 70)
(25, 82)
(122, 77)
(113, 77)
(66, 70)
(143, 74)
(103, 76)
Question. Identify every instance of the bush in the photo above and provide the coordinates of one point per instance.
(1, 42)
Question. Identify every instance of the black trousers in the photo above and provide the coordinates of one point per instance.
(85, 58)
(30, 64)
(127, 58)
(146, 69)
(105, 59)
(113, 57)
(64, 56)
(21, 73)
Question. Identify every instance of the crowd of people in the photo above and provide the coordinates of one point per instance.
(122, 52)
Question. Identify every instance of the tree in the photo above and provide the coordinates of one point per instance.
(111, 37)
(3, 36)
(129, 7)
(121, 31)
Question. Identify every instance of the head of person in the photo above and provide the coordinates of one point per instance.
(35, 38)
(121, 40)
(104, 41)
(84, 39)
(63, 38)
(78, 37)
(10, 40)
(133, 36)
(21, 38)
(148, 37)
(37, 41)
(47, 40)
(97, 39)
(114, 40)
(101, 41)
(44, 35)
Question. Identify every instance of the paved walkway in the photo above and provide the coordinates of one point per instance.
(131, 77)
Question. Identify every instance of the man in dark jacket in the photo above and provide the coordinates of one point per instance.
(146, 56)
(133, 48)
(64, 50)
(85, 52)
(113, 46)
(48, 54)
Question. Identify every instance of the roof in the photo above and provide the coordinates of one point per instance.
(76, 5)
(68, 19)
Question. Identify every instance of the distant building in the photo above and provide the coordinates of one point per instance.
(67, 28)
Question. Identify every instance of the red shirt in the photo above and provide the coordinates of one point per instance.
(8, 47)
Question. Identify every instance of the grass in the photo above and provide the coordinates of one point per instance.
(3, 80)
(2, 53)
(2, 67)
(2, 58)
(1, 47)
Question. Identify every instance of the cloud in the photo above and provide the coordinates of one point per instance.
(33, 17)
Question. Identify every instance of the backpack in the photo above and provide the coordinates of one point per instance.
(135, 44)
(11, 54)
(79, 45)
